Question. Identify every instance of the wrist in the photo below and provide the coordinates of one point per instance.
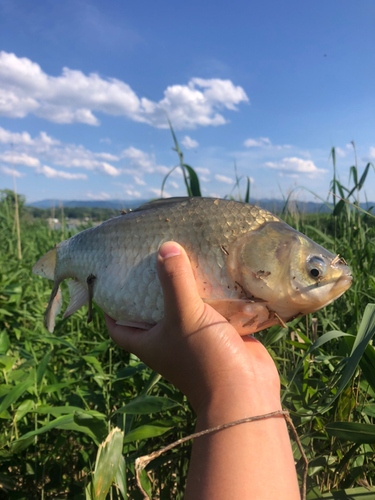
(229, 402)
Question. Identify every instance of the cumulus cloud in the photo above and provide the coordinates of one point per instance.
(224, 178)
(158, 194)
(296, 166)
(139, 181)
(8, 171)
(189, 143)
(257, 143)
(264, 143)
(19, 159)
(141, 163)
(7, 137)
(51, 173)
(132, 192)
(30, 152)
(74, 97)
(372, 153)
(340, 152)
(99, 196)
(107, 156)
(204, 171)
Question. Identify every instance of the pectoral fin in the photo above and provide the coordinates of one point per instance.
(78, 297)
(246, 316)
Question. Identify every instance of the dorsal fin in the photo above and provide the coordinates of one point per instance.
(162, 202)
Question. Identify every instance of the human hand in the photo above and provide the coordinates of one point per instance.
(195, 348)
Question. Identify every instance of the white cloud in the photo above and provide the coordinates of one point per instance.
(204, 171)
(73, 97)
(100, 196)
(7, 137)
(31, 151)
(340, 152)
(157, 192)
(8, 171)
(215, 195)
(257, 143)
(107, 156)
(372, 153)
(264, 143)
(141, 163)
(189, 143)
(224, 178)
(132, 192)
(19, 159)
(106, 140)
(51, 173)
(173, 184)
(139, 181)
(295, 166)
(204, 179)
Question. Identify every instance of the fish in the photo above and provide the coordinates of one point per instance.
(249, 265)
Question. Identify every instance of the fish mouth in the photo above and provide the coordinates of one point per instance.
(340, 287)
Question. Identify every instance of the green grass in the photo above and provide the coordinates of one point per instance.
(61, 394)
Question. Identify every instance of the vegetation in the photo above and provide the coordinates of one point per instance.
(62, 394)
(96, 214)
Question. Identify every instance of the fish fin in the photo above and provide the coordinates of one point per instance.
(134, 324)
(53, 308)
(78, 297)
(45, 266)
(246, 316)
(90, 289)
(162, 202)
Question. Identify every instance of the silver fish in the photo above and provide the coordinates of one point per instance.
(249, 265)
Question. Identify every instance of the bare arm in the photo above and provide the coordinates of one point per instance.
(226, 378)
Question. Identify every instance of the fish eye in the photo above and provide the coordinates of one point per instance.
(316, 267)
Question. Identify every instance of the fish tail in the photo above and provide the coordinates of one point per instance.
(53, 308)
(45, 267)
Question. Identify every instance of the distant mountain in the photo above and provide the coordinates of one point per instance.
(273, 205)
(114, 204)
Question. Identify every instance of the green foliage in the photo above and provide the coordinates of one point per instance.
(63, 394)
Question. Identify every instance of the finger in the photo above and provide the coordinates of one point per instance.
(128, 338)
(181, 298)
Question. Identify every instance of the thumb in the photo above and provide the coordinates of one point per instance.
(181, 298)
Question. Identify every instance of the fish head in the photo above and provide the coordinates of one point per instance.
(286, 269)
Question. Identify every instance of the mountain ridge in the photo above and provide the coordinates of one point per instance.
(272, 204)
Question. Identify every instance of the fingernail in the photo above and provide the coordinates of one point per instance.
(169, 249)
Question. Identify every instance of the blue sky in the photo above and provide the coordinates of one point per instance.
(272, 86)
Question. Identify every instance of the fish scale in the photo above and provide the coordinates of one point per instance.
(121, 255)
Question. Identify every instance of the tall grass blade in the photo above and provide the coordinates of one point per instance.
(107, 464)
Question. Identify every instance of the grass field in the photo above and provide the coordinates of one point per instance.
(62, 393)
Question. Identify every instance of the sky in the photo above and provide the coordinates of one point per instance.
(269, 87)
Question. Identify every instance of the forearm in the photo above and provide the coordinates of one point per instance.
(248, 461)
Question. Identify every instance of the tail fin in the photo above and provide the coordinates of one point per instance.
(53, 308)
(45, 266)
